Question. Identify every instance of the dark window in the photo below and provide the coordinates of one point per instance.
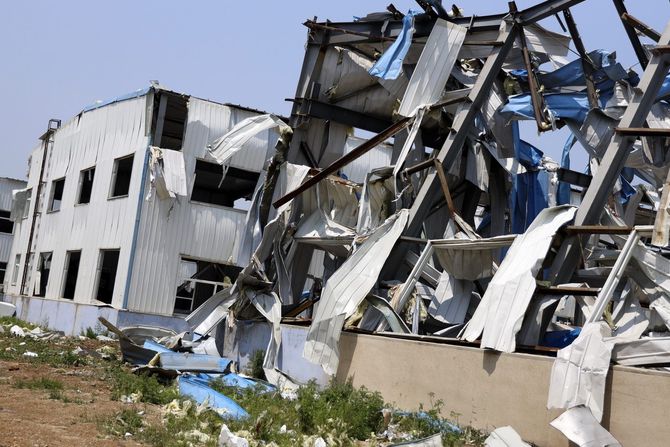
(86, 185)
(72, 259)
(6, 224)
(56, 194)
(107, 264)
(123, 168)
(199, 280)
(170, 121)
(3, 269)
(237, 185)
(44, 269)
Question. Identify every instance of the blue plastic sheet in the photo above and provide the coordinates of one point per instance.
(198, 389)
(389, 65)
(563, 194)
(560, 339)
(607, 70)
(572, 106)
(529, 190)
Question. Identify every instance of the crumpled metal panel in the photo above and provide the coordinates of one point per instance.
(500, 314)
(345, 290)
(580, 371)
(579, 426)
(434, 67)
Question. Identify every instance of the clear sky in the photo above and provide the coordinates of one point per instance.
(58, 57)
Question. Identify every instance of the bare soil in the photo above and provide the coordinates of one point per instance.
(30, 417)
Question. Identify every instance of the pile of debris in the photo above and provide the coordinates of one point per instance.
(446, 222)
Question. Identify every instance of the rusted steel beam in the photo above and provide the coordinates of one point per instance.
(641, 27)
(345, 160)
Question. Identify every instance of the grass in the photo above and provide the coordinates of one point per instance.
(255, 366)
(342, 414)
(42, 383)
(150, 389)
(89, 333)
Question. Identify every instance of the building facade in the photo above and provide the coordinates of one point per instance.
(90, 227)
(7, 186)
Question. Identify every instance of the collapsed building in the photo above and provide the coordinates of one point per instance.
(404, 234)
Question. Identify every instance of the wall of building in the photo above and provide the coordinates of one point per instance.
(94, 138)
(7, 185)
(170, 229)
(488, 389)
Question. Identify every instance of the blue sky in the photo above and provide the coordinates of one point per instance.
(60, 57)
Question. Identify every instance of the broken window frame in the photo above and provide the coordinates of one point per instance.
(52, 195)
(182, 280)
(231, 171)
(99, 272)
(165, 105)
(66, 271)
(44, 283)
(3, 272)
(115, 177)
(90, 172)
(6, 222)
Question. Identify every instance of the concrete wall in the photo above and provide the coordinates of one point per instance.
(489, 389)
(73, 318)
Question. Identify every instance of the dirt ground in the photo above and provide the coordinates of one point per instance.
(34, 418)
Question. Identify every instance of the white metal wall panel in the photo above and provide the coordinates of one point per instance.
(7, 185)
(208, 121)
(95, 138)
(377, 157)
(171, 229)
(434, 67)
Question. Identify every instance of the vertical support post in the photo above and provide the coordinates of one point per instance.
(46, 142)
(587, 64)
(613, 161)
(535, 96)
(461, 125)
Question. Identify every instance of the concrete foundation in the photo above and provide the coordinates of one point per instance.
(73, 318)
(487, 389)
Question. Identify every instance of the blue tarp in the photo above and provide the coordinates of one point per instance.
(389, 65)
(607, 71)
(572, 106)
(560, 339)
(197, 388)
(529, 190)
(563, 194)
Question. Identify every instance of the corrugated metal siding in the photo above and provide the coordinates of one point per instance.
(7, 185)
(92, 138)
(377, 157)
(170, 229)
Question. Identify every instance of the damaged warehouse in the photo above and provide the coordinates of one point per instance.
(400, 231)
(151, 219)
